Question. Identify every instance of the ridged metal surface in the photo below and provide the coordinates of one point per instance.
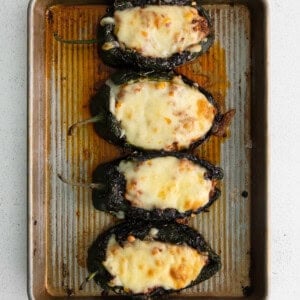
(73, 74)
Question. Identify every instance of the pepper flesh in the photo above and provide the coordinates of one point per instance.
(113, 197)
(171, 233)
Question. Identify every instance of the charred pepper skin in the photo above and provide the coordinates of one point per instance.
(109, 127)
(172, 233)
(112, 198)
(119, 57)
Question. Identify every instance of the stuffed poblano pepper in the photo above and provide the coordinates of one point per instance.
(150, 259)
(154, 34)
(154, 111)
(153, 186)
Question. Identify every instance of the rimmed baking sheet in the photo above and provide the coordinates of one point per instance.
(62, 78)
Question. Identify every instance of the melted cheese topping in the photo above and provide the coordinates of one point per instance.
(162, 115)
(140, 266)
(160, 30)
(166, 182)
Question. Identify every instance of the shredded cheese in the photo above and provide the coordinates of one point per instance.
(161, 115)
(160, 30)
(139, 266)
(166, 182)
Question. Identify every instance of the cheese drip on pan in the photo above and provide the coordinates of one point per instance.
(139, 266)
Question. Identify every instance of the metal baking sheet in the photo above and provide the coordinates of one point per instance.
(62, 78)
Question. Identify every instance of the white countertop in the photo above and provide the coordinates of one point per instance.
(284, 153)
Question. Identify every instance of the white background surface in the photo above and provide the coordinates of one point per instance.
(284, 112)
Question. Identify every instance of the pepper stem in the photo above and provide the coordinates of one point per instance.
(75, 42)
(93, 186)
(89, 278)
(95, 119)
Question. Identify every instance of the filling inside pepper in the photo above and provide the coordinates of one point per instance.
(156, 115)
(166, 182)
(160, 30)
(140, 266)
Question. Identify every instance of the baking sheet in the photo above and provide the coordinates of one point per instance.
(63, 222)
